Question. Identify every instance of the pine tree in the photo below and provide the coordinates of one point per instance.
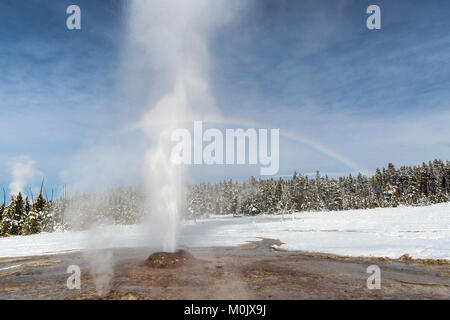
(2, 210)
(13, 216)
(32, 224)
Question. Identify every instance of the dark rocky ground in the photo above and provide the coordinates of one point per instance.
(252, 271)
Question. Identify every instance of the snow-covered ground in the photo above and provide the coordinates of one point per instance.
(422, 232)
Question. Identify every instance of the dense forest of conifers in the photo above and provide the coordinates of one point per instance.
(418, 185)
(389, 187)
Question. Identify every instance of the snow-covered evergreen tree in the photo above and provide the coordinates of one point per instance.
(13, 216)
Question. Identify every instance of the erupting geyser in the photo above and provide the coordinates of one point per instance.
(169, 40)
(164, 178)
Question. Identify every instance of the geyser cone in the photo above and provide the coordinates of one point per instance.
(170, 260)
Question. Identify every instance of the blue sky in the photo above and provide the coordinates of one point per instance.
(311, 68)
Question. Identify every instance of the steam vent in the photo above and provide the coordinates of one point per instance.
(164, 260)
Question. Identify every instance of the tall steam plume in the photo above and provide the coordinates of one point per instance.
(170, 39)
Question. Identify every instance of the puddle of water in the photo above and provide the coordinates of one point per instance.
(11, 267)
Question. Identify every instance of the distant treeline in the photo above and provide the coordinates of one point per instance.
(390, 187)
(418, 185)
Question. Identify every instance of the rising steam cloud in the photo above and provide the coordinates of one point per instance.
(172, 38)
(23, 169)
